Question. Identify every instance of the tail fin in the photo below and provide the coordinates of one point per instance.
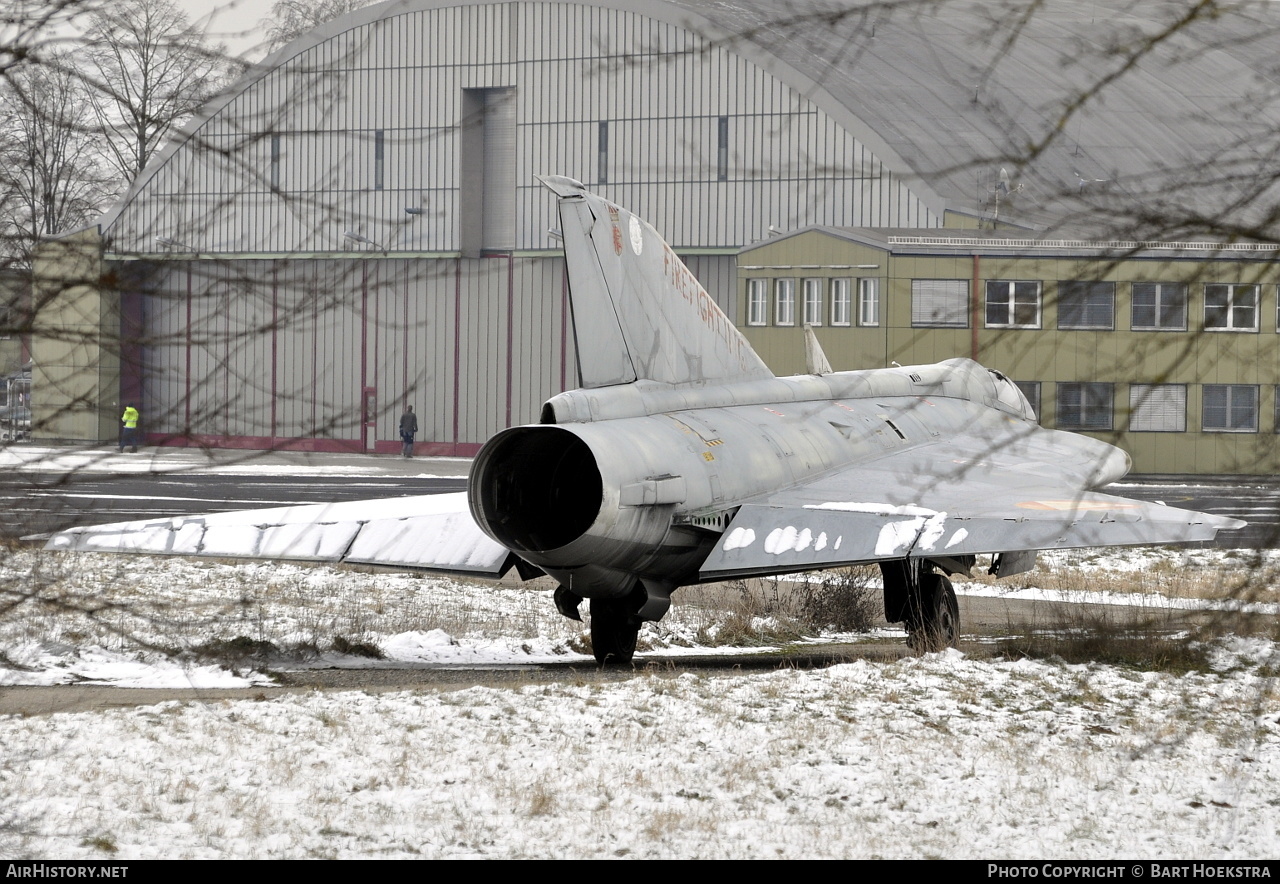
(638, 313)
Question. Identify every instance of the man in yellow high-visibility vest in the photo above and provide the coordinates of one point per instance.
(129, 428)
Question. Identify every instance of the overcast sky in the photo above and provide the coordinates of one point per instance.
(237, 23)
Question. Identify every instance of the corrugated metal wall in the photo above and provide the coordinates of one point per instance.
(250, 346)
(279, 353)
(309, 127)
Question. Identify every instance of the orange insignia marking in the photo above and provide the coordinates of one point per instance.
(1061, 505)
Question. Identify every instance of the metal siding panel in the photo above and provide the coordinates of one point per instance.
(327, 353)
(204, 360)
(435, 333)
(290, 298)
(164, 364)
(481, 333)
(388, 354)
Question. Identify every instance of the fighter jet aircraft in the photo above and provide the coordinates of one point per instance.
(682, 459)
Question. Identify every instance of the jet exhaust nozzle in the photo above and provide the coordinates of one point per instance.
(535, 489)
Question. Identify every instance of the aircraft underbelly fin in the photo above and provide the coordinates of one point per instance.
(638, 311)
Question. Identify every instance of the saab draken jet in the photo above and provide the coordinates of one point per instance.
(682, 459)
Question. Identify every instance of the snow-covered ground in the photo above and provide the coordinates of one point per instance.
(941, 755)
(933, 757)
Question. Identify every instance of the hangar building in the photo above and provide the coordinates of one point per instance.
(356, 225)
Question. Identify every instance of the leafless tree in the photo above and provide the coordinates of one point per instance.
(290, 19)
(147, 69)
(50, 176)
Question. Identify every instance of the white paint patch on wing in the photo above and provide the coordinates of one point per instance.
(637, 235)
(792, 539)
(960, 535)
(896, 536)
(739, 538)
(428, 531)
(780, 540)
(934, 526)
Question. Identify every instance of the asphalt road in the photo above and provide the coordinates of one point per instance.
(38, 502)
(1257, 502)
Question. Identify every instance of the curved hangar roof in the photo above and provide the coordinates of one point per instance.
(718, 119)
(1105, 114)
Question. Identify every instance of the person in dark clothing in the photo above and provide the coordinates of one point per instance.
(408, 429)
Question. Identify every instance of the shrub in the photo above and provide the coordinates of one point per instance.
(845, 600)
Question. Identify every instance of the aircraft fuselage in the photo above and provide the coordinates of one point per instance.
(636, 483)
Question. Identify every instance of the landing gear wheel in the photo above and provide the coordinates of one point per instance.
(937, 625)
(613, 631)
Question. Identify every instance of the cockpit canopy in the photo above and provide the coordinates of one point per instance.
(988, 386)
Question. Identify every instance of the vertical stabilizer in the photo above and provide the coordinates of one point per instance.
(638, 312)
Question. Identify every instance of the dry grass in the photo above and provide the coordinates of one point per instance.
(773, 610)
(1240, 575)
(248, 613)
(1098, 636)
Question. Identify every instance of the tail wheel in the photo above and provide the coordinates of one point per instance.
(938, 626)
(614, 629)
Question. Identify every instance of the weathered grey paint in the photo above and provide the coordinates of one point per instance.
(626, 490)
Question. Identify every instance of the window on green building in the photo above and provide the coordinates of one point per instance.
(869, 302)
(812, 289)
(1159, 306)
(1230, 307)
(1013, 304)
(1158, 408)
(1230, 408)
(784, 302)
(940, 303)
(757, 302)
(1084, 406)
(1086, 305)
(840, 289)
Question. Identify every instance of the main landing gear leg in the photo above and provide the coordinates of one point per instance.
(924, 602)
(614, 628)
